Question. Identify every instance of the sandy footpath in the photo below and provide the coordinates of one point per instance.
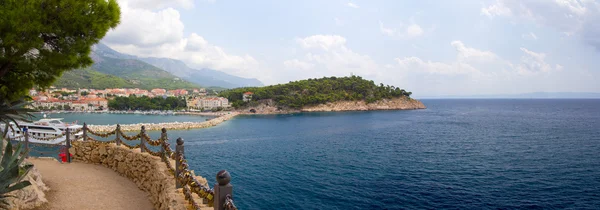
(80, 186)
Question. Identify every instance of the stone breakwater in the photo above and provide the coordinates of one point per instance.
(148, 172)
(384, 104)
(168, 125)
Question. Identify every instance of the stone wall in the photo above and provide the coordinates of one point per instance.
(168, 125)
(148, 172)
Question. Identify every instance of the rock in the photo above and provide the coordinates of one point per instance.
(31, 196)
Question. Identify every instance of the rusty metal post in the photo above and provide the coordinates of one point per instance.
(118, 133)
(222, 189)
(68, 146)
(179, 149)
(85, 137)
(142, 139)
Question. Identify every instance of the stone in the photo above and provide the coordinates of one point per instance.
(31, 196)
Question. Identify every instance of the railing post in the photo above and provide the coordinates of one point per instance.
(179, 149)
(142, 139)
(221, 189)
(68, 136)
(164, 139)
(26, 134)
(118, 141)
(85, 137)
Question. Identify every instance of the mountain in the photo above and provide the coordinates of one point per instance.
(205, 76)
(112, 69)
(534, 95)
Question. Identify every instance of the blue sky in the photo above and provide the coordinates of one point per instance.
(432, 48)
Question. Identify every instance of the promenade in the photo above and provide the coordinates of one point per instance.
(79, 186)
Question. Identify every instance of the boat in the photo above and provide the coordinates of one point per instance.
(43, 130)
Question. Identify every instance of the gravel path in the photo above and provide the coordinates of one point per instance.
(81, 186)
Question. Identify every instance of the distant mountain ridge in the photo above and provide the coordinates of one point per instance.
(204, 77)
(114, 70)
(533, 95)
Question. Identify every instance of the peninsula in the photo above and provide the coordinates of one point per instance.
(325, 94)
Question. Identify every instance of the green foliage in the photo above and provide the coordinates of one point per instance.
(317, 91)
(11, 171)
(147, 103)
(90, 78)
(13, 112)
(40, 39)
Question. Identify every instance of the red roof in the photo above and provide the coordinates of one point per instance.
(248, 93)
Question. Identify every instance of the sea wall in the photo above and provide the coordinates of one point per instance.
(167, 125)
(403, 103)
(148, 172)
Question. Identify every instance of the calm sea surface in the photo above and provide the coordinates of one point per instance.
(457, 154)
(106, 119)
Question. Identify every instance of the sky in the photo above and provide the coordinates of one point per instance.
(429, 47)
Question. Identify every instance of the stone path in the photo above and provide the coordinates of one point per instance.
(80, 186)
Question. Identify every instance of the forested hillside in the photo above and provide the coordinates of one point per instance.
(317, 91)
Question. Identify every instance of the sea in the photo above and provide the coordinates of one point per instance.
(456, 154)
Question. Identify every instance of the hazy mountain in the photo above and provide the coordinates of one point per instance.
(112, 69)
(534, 95)
(204, 77)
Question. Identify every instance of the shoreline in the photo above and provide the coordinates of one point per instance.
(221, 113)
(168, 125)
(340, 106)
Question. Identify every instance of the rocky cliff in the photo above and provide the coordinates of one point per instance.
(402, 103)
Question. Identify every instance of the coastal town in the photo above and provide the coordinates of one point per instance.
(82, 100)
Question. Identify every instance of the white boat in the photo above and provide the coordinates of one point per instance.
(45, 131)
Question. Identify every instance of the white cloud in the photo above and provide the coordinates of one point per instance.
(411, 30)
(353, 5)
(297, 64)
(570, 17)
(533, 62)
(466, 53)
(159, 33)
(416, 64)
(146, 28)
(158, 4)
(327, 55)
(324, 42)
(529, 36)
(414, 30)
(497, 9)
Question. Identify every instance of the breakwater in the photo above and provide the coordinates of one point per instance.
(168, 125)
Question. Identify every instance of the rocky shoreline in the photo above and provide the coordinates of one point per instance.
(402, 103)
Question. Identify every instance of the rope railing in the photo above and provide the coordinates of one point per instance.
(220, 197)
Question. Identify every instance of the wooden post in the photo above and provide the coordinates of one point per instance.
(118, 135)
(85, 137)
(26, 134)
(68, 136)
(179, 149)
(142, 139)
(221, 189)
(163, 139)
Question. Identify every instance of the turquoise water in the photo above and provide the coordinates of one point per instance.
(105, 119)
(457, 154)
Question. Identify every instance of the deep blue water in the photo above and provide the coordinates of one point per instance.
(457, 154)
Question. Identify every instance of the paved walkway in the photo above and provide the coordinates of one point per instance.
(81, 186)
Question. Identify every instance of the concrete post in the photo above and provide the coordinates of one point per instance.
(179, 149)
(85, 137)
(221, 189)
(142, 139)
(118, 135)
(68, 136)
